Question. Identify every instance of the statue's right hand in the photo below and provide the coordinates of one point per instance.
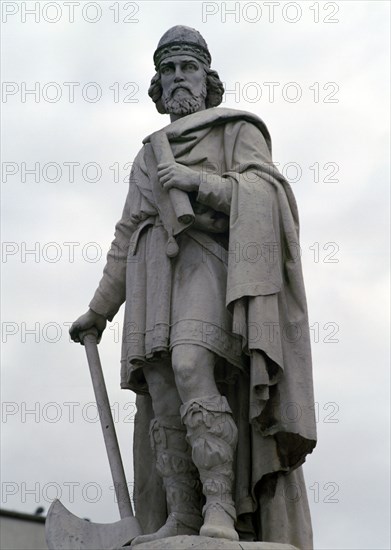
(89, 320)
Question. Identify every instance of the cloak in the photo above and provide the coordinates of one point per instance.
(272, 394)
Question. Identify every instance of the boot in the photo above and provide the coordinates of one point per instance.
(180, 479)
(213, 437)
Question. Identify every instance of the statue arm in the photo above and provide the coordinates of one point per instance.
(250, 154)
(111, 292)
(216, 192)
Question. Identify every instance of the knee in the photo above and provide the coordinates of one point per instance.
(193, 368)
(184, 370)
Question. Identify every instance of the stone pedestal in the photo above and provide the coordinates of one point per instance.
(186, 542)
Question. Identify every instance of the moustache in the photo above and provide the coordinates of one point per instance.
(173, 89)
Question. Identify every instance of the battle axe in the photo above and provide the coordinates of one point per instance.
(65, 531)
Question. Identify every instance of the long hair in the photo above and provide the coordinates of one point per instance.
(214, 87)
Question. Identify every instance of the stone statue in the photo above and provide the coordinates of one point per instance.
(215, 339)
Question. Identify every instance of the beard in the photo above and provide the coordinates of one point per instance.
(181, 101)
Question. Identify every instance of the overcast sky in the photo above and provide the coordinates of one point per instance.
(327, 111)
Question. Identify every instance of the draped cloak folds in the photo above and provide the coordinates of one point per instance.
(266, 371)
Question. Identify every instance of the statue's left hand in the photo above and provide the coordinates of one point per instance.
(176, 175)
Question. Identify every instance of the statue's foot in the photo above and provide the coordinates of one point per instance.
(218, 523)
(176, 524)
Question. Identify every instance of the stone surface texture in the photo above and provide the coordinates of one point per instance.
(206, 543)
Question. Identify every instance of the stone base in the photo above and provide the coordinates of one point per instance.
(186, 542)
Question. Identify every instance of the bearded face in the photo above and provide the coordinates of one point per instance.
(181, 100)
(183, 81)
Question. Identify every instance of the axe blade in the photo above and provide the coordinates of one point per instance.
(65, 531)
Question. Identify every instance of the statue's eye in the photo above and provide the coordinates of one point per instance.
(166, 69)
(191, 67)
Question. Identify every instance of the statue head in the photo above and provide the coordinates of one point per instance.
(184, 82)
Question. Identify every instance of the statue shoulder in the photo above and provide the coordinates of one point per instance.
(217, 116)
(237, 117)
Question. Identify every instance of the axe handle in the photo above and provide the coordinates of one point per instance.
(89, 340)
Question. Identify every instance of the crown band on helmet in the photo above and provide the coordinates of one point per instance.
(181, 48)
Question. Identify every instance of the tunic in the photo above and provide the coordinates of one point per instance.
(244, 300)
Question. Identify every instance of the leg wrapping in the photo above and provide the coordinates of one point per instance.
(213, 436)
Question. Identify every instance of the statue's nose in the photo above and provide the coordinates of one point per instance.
(178, 75)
